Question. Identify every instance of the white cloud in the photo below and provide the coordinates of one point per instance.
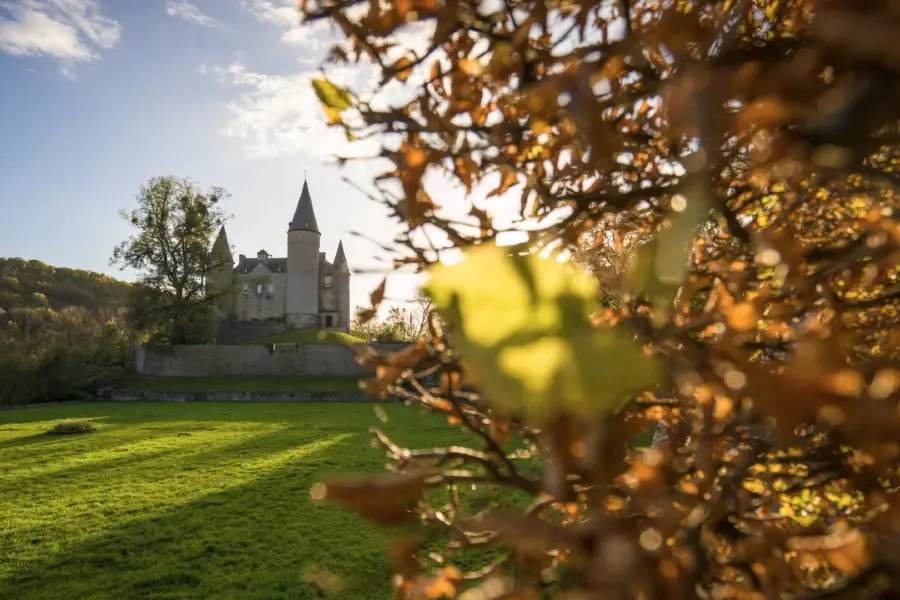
(71, 31)
(275, 115)
(183, 9)
(282, 13)
(285, 15)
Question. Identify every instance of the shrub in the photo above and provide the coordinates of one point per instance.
(748, 152)
(71, 427)
(61, 372)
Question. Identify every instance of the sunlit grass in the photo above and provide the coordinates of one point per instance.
(190, 500)
(246, 384)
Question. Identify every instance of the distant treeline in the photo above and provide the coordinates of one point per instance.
(33, 284)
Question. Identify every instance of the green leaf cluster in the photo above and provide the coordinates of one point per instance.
(521, 324)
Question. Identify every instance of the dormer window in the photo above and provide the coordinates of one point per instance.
(328, 281)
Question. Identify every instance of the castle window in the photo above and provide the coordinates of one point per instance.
(270, 289)
(258, 289)
(329, 321)
(246, 289)
(328, 281)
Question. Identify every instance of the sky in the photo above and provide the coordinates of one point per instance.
(98, 96)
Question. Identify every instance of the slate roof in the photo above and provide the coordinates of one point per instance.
(304, 216)
(339, 258)
(221, 248)
(275, 265)
(279, 265)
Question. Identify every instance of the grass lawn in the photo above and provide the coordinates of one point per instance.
(206, 501)
(246, 384)
(308, 336)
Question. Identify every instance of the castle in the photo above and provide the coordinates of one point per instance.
(303, 289)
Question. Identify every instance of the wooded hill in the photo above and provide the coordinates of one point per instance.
(33, 284)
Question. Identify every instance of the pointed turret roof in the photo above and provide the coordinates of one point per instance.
(339, 258)
(304, 217)
(221, 248)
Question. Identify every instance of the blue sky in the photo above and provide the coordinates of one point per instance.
(100, 95)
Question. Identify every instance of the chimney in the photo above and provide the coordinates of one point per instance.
(241, 258)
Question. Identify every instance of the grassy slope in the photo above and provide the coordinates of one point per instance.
(246, 384)
(308, 336)
(190, 500)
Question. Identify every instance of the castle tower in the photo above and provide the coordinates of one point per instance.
(219, 277)
(302, 287)
(342, 282)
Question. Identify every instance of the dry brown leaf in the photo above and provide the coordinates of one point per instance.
(386, 499)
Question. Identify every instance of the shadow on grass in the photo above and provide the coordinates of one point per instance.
(43, 439)
(113, 439)
(250, 541)
(322, 415)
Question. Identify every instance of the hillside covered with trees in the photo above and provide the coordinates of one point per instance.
(62, 331)
(33, 284)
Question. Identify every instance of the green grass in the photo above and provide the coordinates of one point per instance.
(191, 500)
(246, 384)
(308, 336)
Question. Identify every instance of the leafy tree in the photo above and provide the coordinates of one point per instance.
(175, 223)
(66, 355)
(750, 150)
(38, 299)
(421, 312)
(399, 325)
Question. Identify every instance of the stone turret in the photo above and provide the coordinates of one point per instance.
(302, 292)
(342, 283)
(219, 279)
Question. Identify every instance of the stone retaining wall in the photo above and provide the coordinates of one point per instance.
(235, 332)
(323, 360)
(121, 396)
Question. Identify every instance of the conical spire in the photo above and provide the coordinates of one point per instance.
(221, 249)
(304, 217)
(340, 260)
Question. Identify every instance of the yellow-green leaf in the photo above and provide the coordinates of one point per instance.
(521, 324)
(333, 114)
(331, 95)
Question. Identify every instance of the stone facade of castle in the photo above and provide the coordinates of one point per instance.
(303, 289)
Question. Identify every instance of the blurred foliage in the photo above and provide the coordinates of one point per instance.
(526, 337)
(727, 170)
